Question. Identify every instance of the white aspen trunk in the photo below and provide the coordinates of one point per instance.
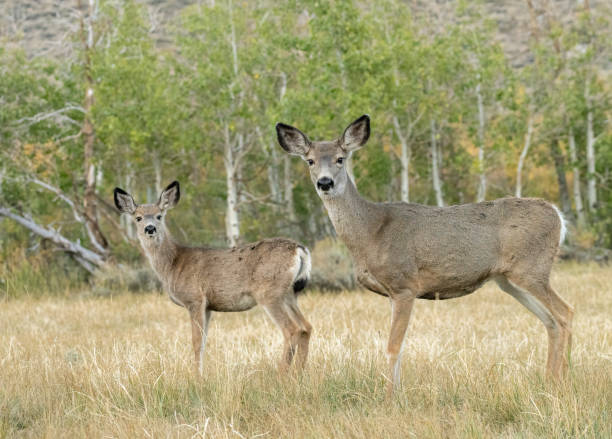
(590, 153)
(435, 174)
(576, 182)
(232, 224)
(233, 39)
(288, 188)
(404, 161)
(482, 184)
(521, 162)
(272, 154)
(90, 208)
(158, 172)
(273, 178)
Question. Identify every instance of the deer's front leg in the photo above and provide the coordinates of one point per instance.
(200, 318)
(401, 307)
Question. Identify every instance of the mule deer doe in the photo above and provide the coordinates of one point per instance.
(407, 251)
(269, 273)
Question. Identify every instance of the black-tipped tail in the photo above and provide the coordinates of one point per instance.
(299, 285)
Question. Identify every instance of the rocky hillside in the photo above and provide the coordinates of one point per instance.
(44, 26)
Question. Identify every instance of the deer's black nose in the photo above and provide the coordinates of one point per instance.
(150, 229)
(325, 183)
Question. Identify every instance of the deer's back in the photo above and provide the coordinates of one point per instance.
(238, 278)
(451, 251)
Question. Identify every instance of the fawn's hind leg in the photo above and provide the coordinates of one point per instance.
(302, 335)
(280, 315)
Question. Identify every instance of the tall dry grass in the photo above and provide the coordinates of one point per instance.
(121, 367)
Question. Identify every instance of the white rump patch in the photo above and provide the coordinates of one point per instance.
(563, 225)
(302, 265)
(305, 265)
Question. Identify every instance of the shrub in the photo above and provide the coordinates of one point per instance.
(332, 266)
(115, 278)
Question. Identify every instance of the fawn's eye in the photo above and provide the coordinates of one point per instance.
(310, 162)
(138, 218)
(159, 217)
(340, 160)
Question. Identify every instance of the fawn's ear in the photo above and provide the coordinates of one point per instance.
(292, 140)
(124, 201)
(356, 134)
(170, 196)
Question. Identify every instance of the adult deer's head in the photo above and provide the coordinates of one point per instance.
(149, 218)
(326, 159)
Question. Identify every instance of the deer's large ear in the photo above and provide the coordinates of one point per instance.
(356, 134)
(170, 196)
(292, 140)
(124, 201)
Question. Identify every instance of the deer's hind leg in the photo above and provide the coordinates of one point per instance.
(280, 315)
(302, 335)
(542, 300)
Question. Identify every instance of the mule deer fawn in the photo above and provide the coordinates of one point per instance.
(407, 251)
(269, 273)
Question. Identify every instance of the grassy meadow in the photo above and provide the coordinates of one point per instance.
(121, 366)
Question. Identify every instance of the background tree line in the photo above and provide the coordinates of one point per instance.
(454, 119)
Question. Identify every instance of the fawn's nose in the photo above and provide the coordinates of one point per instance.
(325, 183)
(150, 229)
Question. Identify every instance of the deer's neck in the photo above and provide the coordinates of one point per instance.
(161, 255)
(353, 217)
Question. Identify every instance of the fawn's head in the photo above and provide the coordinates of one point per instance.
(149, 218)
(326, 159)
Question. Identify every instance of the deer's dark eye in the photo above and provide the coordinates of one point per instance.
(159, 217)
(340, 160)
(138, 218)
(310, 162)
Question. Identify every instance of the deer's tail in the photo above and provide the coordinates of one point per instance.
(304, 265)
(563, 231)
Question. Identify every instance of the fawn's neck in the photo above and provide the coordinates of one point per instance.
(161, 255)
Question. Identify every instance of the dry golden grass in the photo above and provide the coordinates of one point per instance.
(121, 367)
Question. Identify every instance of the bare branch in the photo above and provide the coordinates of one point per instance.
(253, 199)
(59, 193)
(29, 121)
(56, 237)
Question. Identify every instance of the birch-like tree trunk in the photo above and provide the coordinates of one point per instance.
(576, 177)
(521, 162)
(157, 168)
(590, 152)
(232, 222)
(435, 173)
(405, 156)
(273, 174)
(559, 160)
(288, 188)
(482, 180)
(90, 211)
(231, 154)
